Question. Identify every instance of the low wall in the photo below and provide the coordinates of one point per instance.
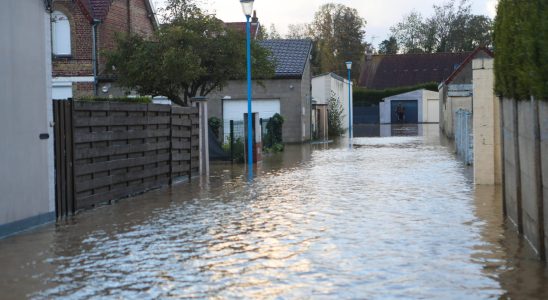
(525, 144)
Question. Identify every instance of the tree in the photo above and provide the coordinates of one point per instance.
(452, 28)
(389, 46)
(298, 31)
(409, 32)
(194, 54)
(338, 33)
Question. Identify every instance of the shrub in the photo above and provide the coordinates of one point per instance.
(238, 149)
(215, 124)
(367, 97)
(145, 100)
(335, 113)
(274, 134)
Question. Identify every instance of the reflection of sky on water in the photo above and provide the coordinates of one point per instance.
(393, 217)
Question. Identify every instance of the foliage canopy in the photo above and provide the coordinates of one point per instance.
(521, 43)
(191, 55)
(451, 28)
(367, 97)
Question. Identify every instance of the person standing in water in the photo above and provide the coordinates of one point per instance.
(400, 113)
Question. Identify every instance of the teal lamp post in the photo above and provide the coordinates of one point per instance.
(349, 68)
(247, 6)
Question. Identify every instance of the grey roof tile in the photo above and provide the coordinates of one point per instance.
(291, 56)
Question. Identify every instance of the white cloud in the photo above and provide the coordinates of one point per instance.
(491, 7)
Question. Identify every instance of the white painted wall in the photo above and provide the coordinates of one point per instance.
(26, 161)
(486, 118)
(324, 85)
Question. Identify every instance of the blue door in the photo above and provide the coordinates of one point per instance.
(404, 111)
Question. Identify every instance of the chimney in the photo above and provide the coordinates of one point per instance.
(254, 19)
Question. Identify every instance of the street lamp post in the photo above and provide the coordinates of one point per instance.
(247, 6)
(349, 68)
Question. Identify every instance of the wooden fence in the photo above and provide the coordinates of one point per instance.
(106, 151)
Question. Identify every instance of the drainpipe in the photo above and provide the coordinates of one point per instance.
(94, 54)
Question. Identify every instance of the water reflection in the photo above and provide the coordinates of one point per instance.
(389, 130)
(394, 217)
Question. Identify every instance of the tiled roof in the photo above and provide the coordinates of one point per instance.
(291, 56)
(399, 70)
(98, 9)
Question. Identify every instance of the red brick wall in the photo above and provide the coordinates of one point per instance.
(80, 63)
(122, 20)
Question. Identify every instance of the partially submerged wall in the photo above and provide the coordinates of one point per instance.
(525, 142)
(487, 162)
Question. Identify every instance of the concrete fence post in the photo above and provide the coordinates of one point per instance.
(201, 103)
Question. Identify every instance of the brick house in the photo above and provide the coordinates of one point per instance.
(81, 30)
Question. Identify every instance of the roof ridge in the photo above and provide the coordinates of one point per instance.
(434, 53)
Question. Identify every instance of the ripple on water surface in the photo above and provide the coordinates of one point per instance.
(390, 218)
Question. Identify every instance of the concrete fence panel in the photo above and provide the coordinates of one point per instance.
(532, 213)
(543, 120)
(510, 155)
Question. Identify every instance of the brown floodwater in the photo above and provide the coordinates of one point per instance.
(391, 217)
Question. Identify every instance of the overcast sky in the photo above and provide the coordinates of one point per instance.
(379, 14)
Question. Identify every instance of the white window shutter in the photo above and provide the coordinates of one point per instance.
(60, 30)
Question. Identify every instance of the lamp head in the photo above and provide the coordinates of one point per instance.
(349, 65)
(247, 7)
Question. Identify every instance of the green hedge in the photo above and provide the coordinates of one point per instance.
(145, 100)
(365, 97)
(521, 46)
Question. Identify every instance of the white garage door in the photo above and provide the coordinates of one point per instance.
(234, 110)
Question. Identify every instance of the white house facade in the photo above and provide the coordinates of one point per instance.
(332, 85)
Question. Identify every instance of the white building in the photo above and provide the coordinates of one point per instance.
(27, 191)
(327, 85)
(420, 106)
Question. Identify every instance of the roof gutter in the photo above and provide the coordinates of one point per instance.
(94, 54)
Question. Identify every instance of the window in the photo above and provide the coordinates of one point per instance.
(60, 34)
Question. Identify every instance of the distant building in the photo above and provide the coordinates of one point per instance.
(288, 93)
(332, 85)
(455, 92)
(241, 26)
(401, 70)
(81, 30)
(420, 106)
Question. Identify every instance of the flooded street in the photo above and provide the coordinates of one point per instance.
(394, 217)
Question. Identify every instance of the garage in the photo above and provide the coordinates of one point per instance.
(409, 111)
(234, 110)
(420, 106)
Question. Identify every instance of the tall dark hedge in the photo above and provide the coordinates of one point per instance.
(521, 47)
(366, 97)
